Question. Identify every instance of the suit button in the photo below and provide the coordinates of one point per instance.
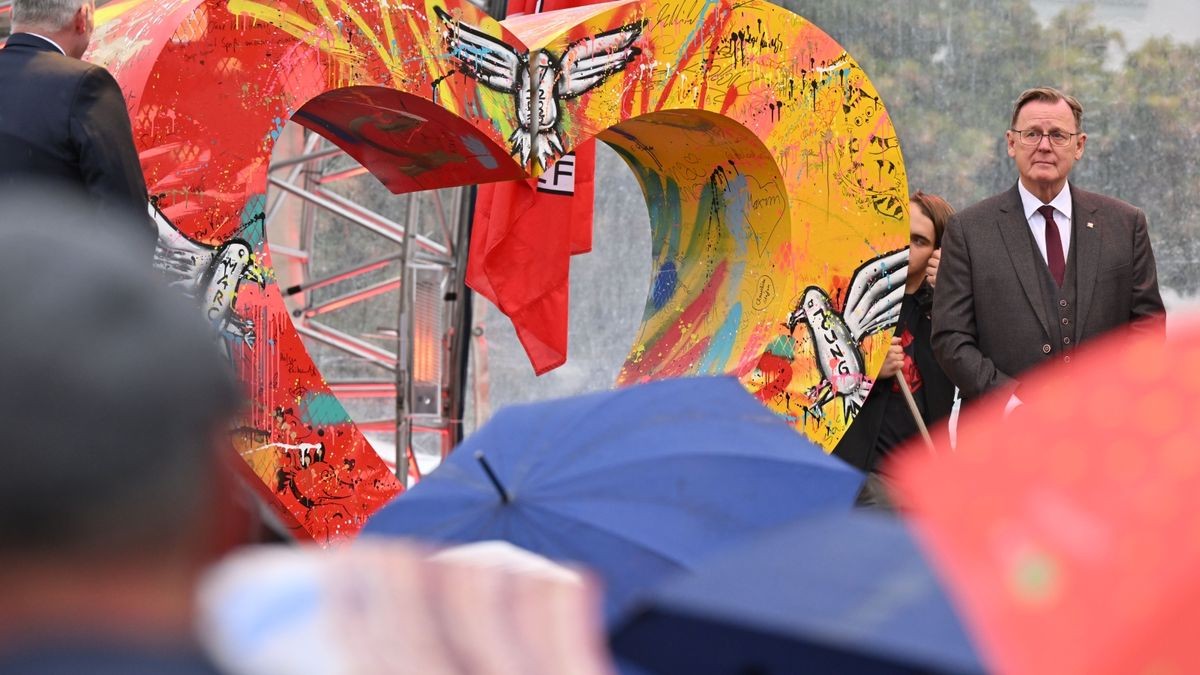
(1045, 349)
(1062, 303)
(1066, 341)
(1066, 322)
(1066, 359)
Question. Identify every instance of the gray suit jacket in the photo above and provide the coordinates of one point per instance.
(989, 320)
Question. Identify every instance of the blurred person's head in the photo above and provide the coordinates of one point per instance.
(927, 218)
(1045, 139)
(115, 404)
(68, 22)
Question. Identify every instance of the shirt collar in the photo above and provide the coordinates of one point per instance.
(52, 42)
(1061, 202)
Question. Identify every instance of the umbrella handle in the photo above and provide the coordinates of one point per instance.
(487, 468)
(912, 408)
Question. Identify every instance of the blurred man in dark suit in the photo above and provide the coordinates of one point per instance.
(116, 490)
(65, 120)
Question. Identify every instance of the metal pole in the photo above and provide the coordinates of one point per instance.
(343, 275)
(347, 299)
(347, 343)
(383, 229)
(364, 389)
(418, 239)
(297, 164)
(308, 156)
(460, 298)
(406, 330)
(343, 207)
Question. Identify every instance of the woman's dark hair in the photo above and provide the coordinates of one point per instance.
(937, 210)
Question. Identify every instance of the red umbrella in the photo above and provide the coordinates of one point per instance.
(1070, 532)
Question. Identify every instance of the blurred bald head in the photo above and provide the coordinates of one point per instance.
(114, 390)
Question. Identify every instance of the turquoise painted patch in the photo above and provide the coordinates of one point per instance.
(254, 214)
(783, 346)
(722, 345)
(322, 409)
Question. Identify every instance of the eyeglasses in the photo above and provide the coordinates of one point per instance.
(1059, 139)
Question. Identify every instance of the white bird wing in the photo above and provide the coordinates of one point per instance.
(491, 61)
(586, 64)
(181, 260)
(876, 291)
(222, 287)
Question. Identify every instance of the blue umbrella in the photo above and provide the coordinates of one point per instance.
(636, 484)
(844, 593)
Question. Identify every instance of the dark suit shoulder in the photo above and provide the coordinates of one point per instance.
(1098, 202)
(40, 67)
(97, 78)
(988, 208)
(29, 42)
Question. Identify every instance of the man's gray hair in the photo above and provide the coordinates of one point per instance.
(1048, 95)
(45, 13)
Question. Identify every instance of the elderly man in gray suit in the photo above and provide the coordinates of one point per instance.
(1029, 274)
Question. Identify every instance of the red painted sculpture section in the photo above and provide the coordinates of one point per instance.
(769, 165)
(210, 85)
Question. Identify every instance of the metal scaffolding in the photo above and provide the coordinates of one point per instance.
(374, 284)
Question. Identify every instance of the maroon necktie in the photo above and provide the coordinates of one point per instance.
(1054, 252)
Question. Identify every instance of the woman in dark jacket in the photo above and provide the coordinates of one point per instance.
(885, 420)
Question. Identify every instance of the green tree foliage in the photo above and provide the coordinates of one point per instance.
(949, 71)
(1151, 155)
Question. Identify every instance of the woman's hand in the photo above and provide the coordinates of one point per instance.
(894, 361)
(932, 266)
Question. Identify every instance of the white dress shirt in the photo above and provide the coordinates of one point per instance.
(1037, 223)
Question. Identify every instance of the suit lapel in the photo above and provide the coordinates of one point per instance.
(1085, 239)
(1014, 228)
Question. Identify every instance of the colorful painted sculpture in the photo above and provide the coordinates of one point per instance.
(770, 168)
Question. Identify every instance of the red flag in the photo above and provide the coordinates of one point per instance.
(520, 261)
(524, 235)
(568, 186)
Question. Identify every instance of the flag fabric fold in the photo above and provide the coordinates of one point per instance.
(523, 236)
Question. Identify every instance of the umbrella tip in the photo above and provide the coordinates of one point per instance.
(487, 468)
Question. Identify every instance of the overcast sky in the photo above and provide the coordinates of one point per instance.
(1139, 19)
